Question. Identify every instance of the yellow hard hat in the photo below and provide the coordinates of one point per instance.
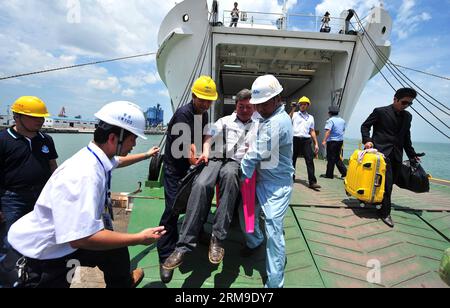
(205, 88)
(31, 106)
(304, 99)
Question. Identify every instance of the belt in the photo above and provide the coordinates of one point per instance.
(27, 190)
(303, 138)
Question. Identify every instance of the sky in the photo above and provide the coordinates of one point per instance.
(38, 35)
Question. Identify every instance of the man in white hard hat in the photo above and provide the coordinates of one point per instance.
(272, 160)
(71, 225)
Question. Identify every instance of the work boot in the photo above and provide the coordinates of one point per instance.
(174, 260)
(216, 251)
(164, 274)
(136, 277)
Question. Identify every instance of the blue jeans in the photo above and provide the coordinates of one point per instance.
(14, 206)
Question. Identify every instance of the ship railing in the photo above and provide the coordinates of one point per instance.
(290, 22)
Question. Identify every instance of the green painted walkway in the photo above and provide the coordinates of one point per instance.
(330, 242)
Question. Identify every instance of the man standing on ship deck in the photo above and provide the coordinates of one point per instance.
(27, 160)
(334, 142)
(304, 135)
(71, 224)
(391, 134)
(272, 159)
(188, 122)
(234, 15)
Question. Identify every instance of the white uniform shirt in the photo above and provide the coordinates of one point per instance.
(302, 124)
(69, 208)
(239, 135)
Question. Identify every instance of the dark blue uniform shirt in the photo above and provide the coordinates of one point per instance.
(187, 116)
(24, 163)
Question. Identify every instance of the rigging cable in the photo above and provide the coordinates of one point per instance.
(77, 65)
(391, 66)
(386, 79)
(422, 72)
(403, 82)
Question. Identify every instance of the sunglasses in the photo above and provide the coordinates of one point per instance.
(406, 103)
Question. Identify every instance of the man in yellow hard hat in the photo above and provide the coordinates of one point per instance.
(304, 136)
(185, 129)
(27, 160)
(229, 138)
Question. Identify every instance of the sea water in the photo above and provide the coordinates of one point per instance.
(436, 162)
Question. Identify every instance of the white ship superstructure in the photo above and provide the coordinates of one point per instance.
(330, 68)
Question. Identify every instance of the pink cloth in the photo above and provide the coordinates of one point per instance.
(248, 190)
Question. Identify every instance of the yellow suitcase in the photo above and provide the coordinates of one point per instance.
(366, 177)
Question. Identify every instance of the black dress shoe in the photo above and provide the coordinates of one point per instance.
(166, 275)
(315, 186)
(325, 176)
(388, 221)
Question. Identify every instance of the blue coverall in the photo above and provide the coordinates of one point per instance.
(272, 159)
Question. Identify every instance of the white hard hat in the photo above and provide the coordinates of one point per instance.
(265, 88)
(125, 115)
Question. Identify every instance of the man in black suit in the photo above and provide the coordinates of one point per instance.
(391, 134)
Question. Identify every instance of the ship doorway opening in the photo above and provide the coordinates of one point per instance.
(296, 69)
(233, 82)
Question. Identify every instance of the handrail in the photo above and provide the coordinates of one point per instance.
(278, 21)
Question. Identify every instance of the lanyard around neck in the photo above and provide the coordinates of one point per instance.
(305, 118)
(107, 173)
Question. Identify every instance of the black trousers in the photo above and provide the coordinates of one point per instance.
(166, 244)
(234, 22)
(58, 273)
(393, 168)
(303, 146)
(334, 149)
